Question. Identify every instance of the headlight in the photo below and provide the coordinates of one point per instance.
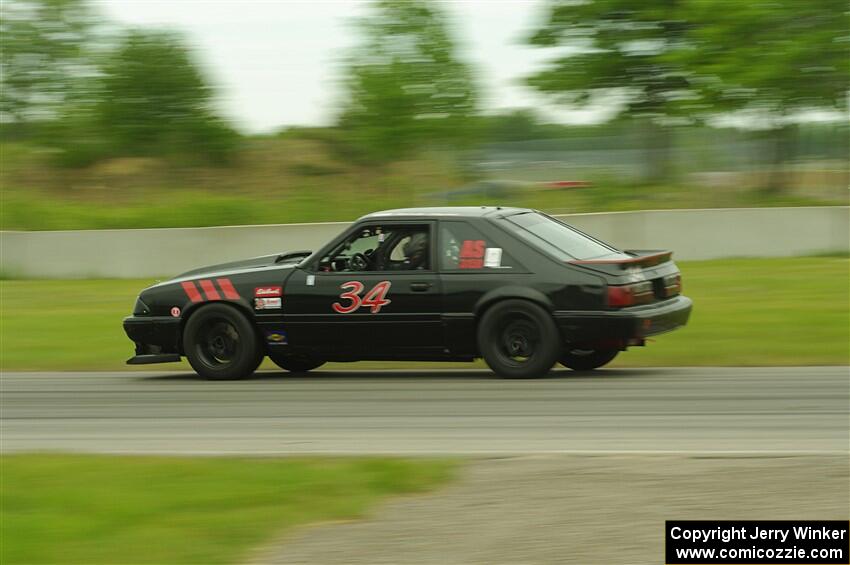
(140, 308)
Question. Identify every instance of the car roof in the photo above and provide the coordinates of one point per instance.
(443, 211)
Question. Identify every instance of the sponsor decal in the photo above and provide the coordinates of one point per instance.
(493, 257)
(175, 311)
(210, 292)
(311, 280)
(635, 274)
(262, 291)
(276, 337)
(270, 303)
(375, 299)
(472, 254)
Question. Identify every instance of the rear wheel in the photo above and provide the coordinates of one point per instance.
(295, 363)
(518, 339)
(221, 344)
(587, 359)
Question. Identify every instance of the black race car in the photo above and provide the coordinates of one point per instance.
(514, 286)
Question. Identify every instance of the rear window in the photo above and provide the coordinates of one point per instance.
(559, 239)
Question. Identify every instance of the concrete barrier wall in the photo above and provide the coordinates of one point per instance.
(691, 234)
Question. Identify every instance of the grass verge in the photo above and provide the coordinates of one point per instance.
(37, 210)
(746, 312)
(123, 509)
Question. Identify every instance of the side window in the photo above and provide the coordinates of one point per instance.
(357, 252)
(397, 253)
(408, 250)
(463, 247)
(381, 248)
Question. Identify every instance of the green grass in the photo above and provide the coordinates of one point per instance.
(40, 210)
(759, 312)
(122, 509)
(746, 312)
(294, 178)
(186, 209)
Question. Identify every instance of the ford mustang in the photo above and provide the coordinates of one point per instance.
(519, 288)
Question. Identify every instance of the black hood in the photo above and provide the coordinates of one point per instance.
(282, 259)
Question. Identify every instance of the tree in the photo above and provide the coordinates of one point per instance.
(405, 86)
(619, 47)
(43, 51)
(772, 60)
(155, 100)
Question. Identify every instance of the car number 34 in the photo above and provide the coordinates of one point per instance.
(375, 298)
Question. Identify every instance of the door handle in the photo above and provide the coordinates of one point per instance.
(420, 286)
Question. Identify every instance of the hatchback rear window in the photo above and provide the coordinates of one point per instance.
(559, 239)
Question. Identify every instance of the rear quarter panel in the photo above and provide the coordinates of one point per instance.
(540, 279)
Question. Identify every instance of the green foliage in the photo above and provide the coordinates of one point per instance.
(406, 87)
(677, 61)
(773, 57)
(155, 100)
(143, 509)
(44, 52)
(615, 46)
(619, 49)
(88, 98)
(770, 60)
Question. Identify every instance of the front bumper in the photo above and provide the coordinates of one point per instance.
(626, 324)
(157, 338)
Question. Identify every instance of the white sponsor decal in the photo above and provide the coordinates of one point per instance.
(493, 257)
(267, 303)
(311, 280)
(635, 274)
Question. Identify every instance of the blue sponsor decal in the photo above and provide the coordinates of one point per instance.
(276, 337)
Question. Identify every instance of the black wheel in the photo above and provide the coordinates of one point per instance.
(296, 363)
(221, 343)
(518, 339)
(587, 359)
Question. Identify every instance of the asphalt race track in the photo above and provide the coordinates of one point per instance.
(769, 410)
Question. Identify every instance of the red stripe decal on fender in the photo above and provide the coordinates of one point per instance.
(209, 290)
(191, 291)
(227, 288)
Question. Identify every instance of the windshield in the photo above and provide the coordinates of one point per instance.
(557, 238)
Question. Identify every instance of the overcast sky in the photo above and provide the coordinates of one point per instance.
(275, 62)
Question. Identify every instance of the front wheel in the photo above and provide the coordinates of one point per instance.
(221, 344)
(518, 339)
(296, 364)
(587, 359)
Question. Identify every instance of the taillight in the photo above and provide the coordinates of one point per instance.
(672, 285)
(630, 294)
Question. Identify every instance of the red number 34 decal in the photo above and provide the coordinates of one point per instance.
(375, 299)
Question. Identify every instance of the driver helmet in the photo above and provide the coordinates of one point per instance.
(416, 250)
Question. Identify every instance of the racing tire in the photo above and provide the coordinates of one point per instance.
(587, 359)
(518, 339)
(296, 364)
(221, 344)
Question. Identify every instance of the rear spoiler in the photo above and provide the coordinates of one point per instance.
(641, 259)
